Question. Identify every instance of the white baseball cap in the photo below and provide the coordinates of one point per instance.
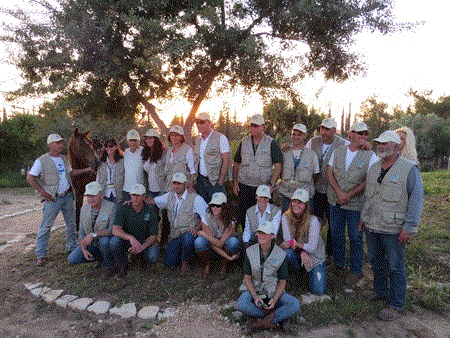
(329, 123)
(203, 116)
(133, 135)
(300, 127)
(177, 129)
(266, 227)
(54, 138)
(179, 178)
(388, 136)
(137, 189)
(93, 188)
(301, 195)
(359, 126)
(218, 198)
(151, 133)
(263, 191)
(257, 119)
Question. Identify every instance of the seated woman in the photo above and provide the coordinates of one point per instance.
(303, 243)
(265, 274)
(218, 234)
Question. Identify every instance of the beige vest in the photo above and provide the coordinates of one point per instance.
(104, 219)
(349, 179)
(185, 217)
(49, 178)
(321, 184)
(265, 281)
(117, 179)
(255, 169)
(177, 165)
(386, 203)
(253, 218)
(212, 156)
(160, 172)
(302, 177)
(216, 227)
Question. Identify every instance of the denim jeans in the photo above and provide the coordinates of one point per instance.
(389, 275)
(98, 248)
(317, 275)
(204, 188)
(50, 211)
(339, 217)
(119, 248)
(321, 209)
(179, 249)
(232, 245)
(285, 307)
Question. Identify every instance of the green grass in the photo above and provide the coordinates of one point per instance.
(12, 179)
(436, 182)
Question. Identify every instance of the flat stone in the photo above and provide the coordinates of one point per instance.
(99, 307)
(64, 300)
(30, 286)
(148, 312)
(347, 290)
(324, 298)
(168, 313)
(308, 298)
(51, 295)
(80, 303)
(38, 291)
(125, 311)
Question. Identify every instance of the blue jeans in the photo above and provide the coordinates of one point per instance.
(389, 275)
(179, 249)
(50, 211)
(204, 188)
(321, 209)
(98, 248)
(338, 218)
(317, 276)
(285, 307)
(232, 245)
(119, 248)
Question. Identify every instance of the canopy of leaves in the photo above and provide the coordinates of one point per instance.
(375, 115)
(424, 104)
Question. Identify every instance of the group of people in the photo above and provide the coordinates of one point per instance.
(147, 191)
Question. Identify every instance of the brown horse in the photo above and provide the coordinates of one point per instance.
(81, 152)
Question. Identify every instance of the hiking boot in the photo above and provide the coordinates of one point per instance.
(372, 296)
(353, 278)
(42, 261)
(389, 314)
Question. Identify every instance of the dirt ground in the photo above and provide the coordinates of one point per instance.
(22, 315)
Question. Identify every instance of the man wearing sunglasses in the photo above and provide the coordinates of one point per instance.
(211, 158)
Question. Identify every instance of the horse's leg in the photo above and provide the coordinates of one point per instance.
(78, 205)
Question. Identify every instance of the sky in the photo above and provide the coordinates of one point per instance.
(413, 59)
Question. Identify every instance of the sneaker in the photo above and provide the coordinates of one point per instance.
(372, 296)
(389, 314)
(353, 278)
(42, 261)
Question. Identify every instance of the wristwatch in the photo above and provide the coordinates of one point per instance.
(94, 235)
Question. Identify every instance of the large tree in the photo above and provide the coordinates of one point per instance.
(374, 114)
(118, 56)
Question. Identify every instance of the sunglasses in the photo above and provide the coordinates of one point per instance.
(364, 132)
(200, 122)
(254, 125)
(216, 205)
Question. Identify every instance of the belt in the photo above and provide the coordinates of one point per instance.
(64, 194)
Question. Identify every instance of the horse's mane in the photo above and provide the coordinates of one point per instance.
(75, 159)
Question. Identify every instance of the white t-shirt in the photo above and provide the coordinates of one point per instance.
(64, 185)
(224, 148)
(349, 158)
(134, 168)
(246, 235)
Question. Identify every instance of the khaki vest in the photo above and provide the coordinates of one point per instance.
(117, 179)
(104, 219)
(177, 165)
(321, 184)
(49, 178)
(302, 177)
(386, 203)
(216, 227)
(160, 173)
(349, 179)
(266, 282)
(255, 169)
(212, 156)
(185, 218)
(253, 218)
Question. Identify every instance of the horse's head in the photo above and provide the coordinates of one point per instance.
(81, 151)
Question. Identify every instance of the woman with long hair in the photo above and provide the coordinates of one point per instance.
(303, 242)
(110, 173)
(408, 144)
(218, 234)
(153, 156)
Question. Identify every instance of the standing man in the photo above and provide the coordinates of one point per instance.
(347, 170)
(96, 221)
(391, 216)
(51, 175)
(258, 161)
(134, 166)
(135, 230)
(212, 158)
(324, 145)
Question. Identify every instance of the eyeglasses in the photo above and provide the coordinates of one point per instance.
(216, 206)
(254, 125)
(200, 122)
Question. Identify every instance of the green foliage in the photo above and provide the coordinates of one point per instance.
(12, 179)
(424, 104)
(374, 114)
(437, 182)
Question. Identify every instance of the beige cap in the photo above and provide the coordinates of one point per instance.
(133, 135)
(388, 136)
(257, 119)
(358, 126)
(179, 178)
(263, 191)
(54, 138)
(137, 189)
(301, 195)
(203, 116)
(266, 227)
(329, 123)
(218, 198)
(93, 188)
(300, 127)
(151, 133)
(177, 129)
